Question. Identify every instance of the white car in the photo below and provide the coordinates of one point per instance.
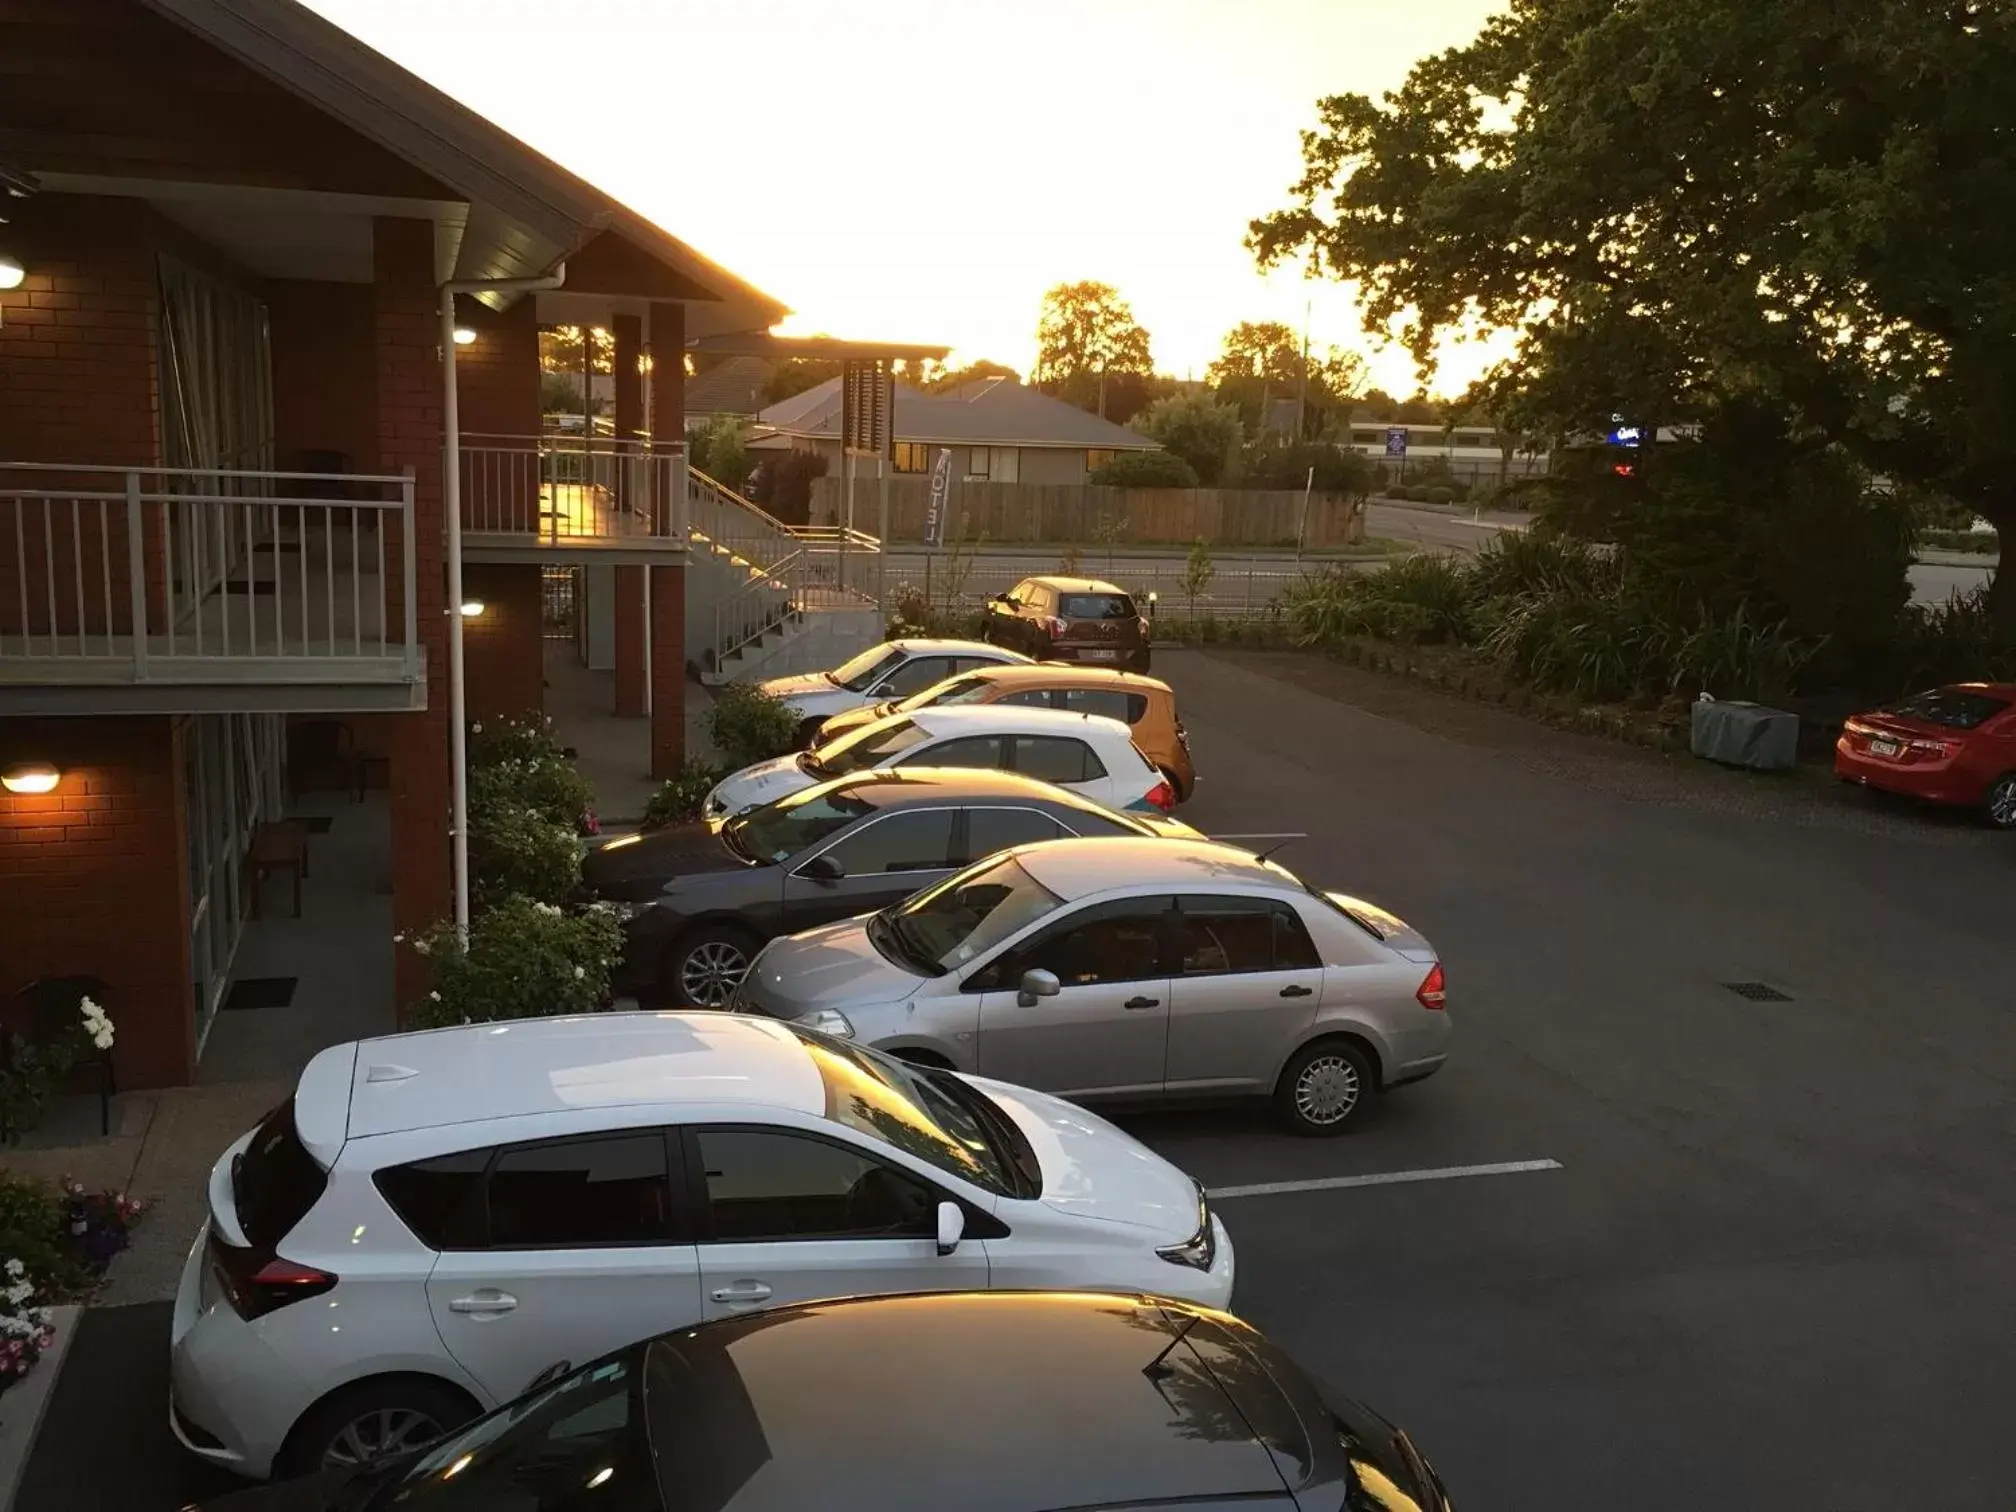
(881, 674)
(436, 1220)
(1086, 753)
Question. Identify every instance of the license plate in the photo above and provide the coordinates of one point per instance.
(1884, 747)
(1100, 655)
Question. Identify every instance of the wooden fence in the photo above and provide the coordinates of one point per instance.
(1064, 512)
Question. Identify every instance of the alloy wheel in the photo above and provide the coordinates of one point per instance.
(711, 971)
(2002, 802)
(378, 1435)
(1327, 1090)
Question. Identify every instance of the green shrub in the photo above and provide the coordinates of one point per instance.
(748, 725)
(1338, 470)
(524, 737)
(1145, 469)
(1424, 598)
(678, 798)
(523, 959)
(548, 784)
(1982, 542)
(34, 1229)
(1957, 641)
(521, 852)
(1520, 562)
(1737, 657)
(1438, 494)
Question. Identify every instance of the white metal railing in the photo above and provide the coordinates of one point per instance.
(137, 565)
(573, 489)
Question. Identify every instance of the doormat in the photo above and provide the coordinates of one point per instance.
(260, 992)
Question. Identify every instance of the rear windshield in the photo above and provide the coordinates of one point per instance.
(1096, 606)
(1956, 708)
(276, 1180)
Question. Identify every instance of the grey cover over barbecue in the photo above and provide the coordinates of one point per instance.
(1745, 735)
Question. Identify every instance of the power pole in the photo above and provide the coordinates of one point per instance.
(1302, 398)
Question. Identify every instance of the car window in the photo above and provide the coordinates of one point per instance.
(917, 675)
(765, 1184)
(1097, 606)
(441, 1199)
(857, 674)
(916, 841)
(1110, 702)
(1222, 936)
(1030, 698)
(1103, 826)
(963, 664)
(982, 751)
(577, 1193)
(997, 829)
(1956, 708)
(962, 690)
(869, 746)
(969, 913)
(1107, 942)
(1053, 758)
(275, 1181)
(1293, 949)
(778, 831)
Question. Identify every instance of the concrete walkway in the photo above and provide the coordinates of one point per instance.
(613, 753)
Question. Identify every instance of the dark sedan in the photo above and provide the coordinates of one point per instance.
(984, 1402)
(700, 905)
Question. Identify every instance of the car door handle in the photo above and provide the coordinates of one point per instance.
(1295, 992)
(1142, 1002)
(741, 1291)
(484, 1302)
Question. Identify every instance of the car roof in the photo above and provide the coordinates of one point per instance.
(1063, 675)
(474, 1072)
(1074, 584)
(1075, 869)
(926, 646)
(995, 718)
(983, 1401)
(901, 787)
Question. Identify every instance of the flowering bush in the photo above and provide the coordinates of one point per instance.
(31, 1073)
(748, 725)
(25, 1329)
(549, 784)
(524, 959)
(678, 800)
(516, 850)
(527, 737)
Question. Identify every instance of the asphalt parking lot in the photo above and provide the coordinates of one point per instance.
(1769, 1265)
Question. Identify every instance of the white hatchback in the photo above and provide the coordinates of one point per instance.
(883, 673)
(1089, 754)
(435, 1221)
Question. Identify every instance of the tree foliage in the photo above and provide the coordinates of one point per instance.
(795, 375)
(1143, 469)
(560, 348)
(972, 372)
(1197, 428)
(1085, 335)
(1804, 206)
(1261, 362)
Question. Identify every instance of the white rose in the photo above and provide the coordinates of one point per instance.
(579, 973)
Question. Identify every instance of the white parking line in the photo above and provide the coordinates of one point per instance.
(1382, 1178)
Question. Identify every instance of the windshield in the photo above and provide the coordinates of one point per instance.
(876, 1095)
(858, 750)
(1956, 708)
(969, 913)
(550, 1449)
(955, 690)
(864, 669)
(778, 831)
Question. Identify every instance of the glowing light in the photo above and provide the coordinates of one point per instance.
(620, 841)
(11, 272)
(464, 336)
(472, 607)
(31, 777)
(458, 1467)
(600, 1476)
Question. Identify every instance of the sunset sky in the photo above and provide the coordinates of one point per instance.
(923, 169)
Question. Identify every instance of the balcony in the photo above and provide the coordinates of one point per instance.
(156, 590)
(572, 499)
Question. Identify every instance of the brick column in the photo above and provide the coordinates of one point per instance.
(668, 584)
(406, 358)
(629, 333)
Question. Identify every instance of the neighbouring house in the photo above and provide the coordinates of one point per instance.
(229, 229)
(998, 431)
(731, 385)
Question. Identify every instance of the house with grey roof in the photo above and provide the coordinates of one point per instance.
(998, 431)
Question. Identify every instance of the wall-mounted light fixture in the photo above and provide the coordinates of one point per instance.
(30, 777)
(465, 336)
(11, 271)
(472, 607)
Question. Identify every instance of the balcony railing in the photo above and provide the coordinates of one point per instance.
(114, 575)
(574, 491)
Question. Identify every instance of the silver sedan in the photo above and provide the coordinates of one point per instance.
(1123, 969)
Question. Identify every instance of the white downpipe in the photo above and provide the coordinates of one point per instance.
(646, 570)
(451, 492)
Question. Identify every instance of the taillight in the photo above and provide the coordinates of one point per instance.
(1055, 626)
(1161, 796)
(1431, 992)
(259, 1285)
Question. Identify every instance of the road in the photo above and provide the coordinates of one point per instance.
(1771, 1268)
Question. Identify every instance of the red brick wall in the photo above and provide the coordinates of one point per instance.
(94, 882)
(668, 669)
(325, 380)
(501, 647)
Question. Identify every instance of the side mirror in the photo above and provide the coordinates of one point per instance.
(822, 868)
(951, 1226)
(1037, 984)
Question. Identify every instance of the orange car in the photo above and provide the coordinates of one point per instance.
(1145, 704)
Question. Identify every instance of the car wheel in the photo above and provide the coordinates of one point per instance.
(1324, 1086)
(370, 1421)
(2002, 802)
(705, 967)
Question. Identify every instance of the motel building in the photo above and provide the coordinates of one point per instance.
(229, 236)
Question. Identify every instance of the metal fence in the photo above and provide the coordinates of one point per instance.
(1239, 587)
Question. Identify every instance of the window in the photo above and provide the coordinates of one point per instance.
(1112, 704)
(916, 675)
(962, 664)
(980, 462)
(778, 831)
(441, 1199)
(1955, 708)
(967, 914)
(576, 1193)
(1054, 758)
(983, 751)
(912, 457)
(1293, 949)
(1097, 606)
(1097, 457)
(997, 829)
(1108, 942)
(276, 1181)
(869, 746)
(772, 1185)
(1029, 698)
(961, 690)
(877, 1095)
(1223, 936)
(916, 841)
(857, 674)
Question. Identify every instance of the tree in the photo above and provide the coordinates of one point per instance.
(1262, 362)
(1702, 204)
(1085, 334)
(720, 450)
(973, 372)
(560, 349)
(795, 375)
(1197, 428)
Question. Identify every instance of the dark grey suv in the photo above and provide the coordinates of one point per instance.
(699, 905)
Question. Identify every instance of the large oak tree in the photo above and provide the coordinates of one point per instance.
(1682, 204)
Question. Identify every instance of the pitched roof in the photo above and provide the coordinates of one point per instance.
(986, 412)
(733, 386)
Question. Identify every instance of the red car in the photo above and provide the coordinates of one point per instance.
(1955, 744)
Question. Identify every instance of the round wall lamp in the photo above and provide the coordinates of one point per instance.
(11, 272)
(472, 607)
(30, 777)
(465, 336)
